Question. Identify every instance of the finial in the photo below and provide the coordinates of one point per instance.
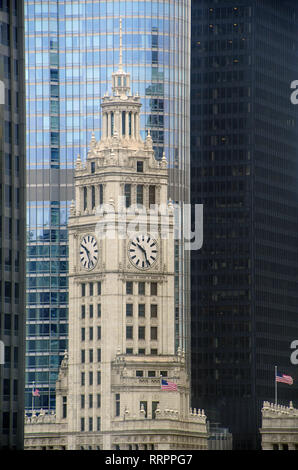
(120, 44)
(93, 140)
(164, 162)
(78, 162)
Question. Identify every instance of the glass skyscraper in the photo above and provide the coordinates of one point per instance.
(244, 169)
(12, 223)
(72, 48)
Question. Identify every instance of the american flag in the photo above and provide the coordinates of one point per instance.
(35, 392)
(286, 379)
(166, 385)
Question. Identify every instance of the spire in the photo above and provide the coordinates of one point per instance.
(121, 79)
(120, 44)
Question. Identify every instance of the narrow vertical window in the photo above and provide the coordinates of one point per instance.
(112, 124)
(140, 194)
(117, 404)
(92, 197)
(123, 122)
(85, 197)
(64, 407)
(100, 194)
(129, 123)
(152, 199)
(99, 288)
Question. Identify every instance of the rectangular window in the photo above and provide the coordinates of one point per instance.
(82, 378)
(92, 197)
(98, 400)
(98, 423)
(83, 290)
(153, 288)
(127, 195)
(153, 332)
(129, 288)
(85, 197)
(90, 400)
(91, 355)
(82, 334)
(90, 377)
(100, 194)
(152, 199)
(82, 424)
(153, 310)
(143, 405)
(82, 401)
(151, 373)
(140, 167)
(82, 356)
(99, 332)
(141, 332)
(64, 407)
(98, 377)
(164, 373)
(129, 332)
(99, 355)
(93, 171)
(99, 288)
(141, 310)
(90, 424)
(154, 408)
(98, 310)
(141, 287)
(140, 194)
(117, 404)
(91, 311)
(129, 310)
(91, 289)
(83, 311)
(139, 373)
(91, 333)
(153, 352)
(129, 351)
(141, 351)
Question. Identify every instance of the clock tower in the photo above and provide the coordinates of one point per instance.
(124, 382)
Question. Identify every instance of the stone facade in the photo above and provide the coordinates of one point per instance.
(279, 429)
(121, 302)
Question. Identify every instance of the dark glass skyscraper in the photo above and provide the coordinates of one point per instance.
(244, 167)
(12, 223)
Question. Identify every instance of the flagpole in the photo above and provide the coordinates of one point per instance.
(33, 397)
(275, 385)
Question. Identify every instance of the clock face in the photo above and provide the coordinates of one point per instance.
(88, 252)
(143, 251)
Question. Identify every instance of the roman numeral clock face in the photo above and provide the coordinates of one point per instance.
(143, 251)
(88, 252)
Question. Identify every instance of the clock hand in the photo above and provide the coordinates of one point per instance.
(87, 251)
(144, 251)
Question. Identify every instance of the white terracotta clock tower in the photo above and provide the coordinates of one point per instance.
(121, 297)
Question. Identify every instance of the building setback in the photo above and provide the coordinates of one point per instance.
(12, 224)
(244, 170)
(72, 48)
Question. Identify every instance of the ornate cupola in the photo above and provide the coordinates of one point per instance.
(121, 111)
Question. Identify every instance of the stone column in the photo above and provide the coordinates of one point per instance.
(104, 125)
(109, 124)
(137, 121)
(126, 124)
(133, 125)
